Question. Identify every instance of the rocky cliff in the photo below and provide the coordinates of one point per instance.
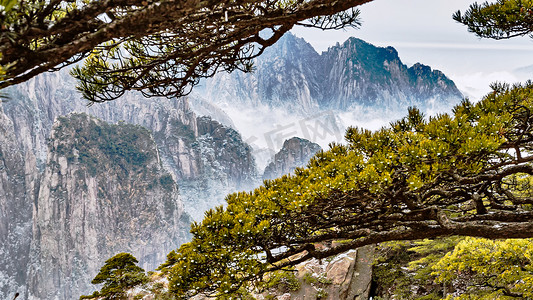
(18, 183)
(228, 149)
(36, 103)
(103, 191)
(347, 276)
(295, 152)
(226, 165)
(47, 248)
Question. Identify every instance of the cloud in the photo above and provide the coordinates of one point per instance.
(476, 85)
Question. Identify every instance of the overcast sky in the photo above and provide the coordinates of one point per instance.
(424, 31)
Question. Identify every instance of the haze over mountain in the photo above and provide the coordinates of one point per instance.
(317, 96)
(295, 153)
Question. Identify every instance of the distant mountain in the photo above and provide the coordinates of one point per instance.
(226, 165)
(295, 153)
(524, 70)
(293, 75)
(285, 74)
(524, 73)
(358, 73)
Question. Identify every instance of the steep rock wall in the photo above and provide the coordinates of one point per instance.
(103, 191)
(17, 187)
(27, 120)
(226, 165)
(36, 103)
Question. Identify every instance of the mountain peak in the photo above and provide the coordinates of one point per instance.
(289, 47)
(354, 43)
(295, 152)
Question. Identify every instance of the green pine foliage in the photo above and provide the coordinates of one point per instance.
(6, 7)
(123, 144)
(455, 268)
(501, 19)
(284, 281)
(118, 274)
(389, 271)
(2, 74)
(488, 269)
(367, 188)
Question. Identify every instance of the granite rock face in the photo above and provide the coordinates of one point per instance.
(230, 151)
(295, 152)
(35, 104)
(347, 276)
(103, 192)
(18, 183)
(226, 165)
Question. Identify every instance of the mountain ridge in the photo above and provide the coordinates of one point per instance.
(293, 75)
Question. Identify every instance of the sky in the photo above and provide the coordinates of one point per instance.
(424, 31)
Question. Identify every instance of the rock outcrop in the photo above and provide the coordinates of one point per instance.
(226, 165)
(346, 276)
(103, 191)
(228, 149)
(295, 152)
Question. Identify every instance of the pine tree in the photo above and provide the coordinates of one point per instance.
(404, 269)
(488, 269)
(464, 174)
(118, 274)
(502, 19)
